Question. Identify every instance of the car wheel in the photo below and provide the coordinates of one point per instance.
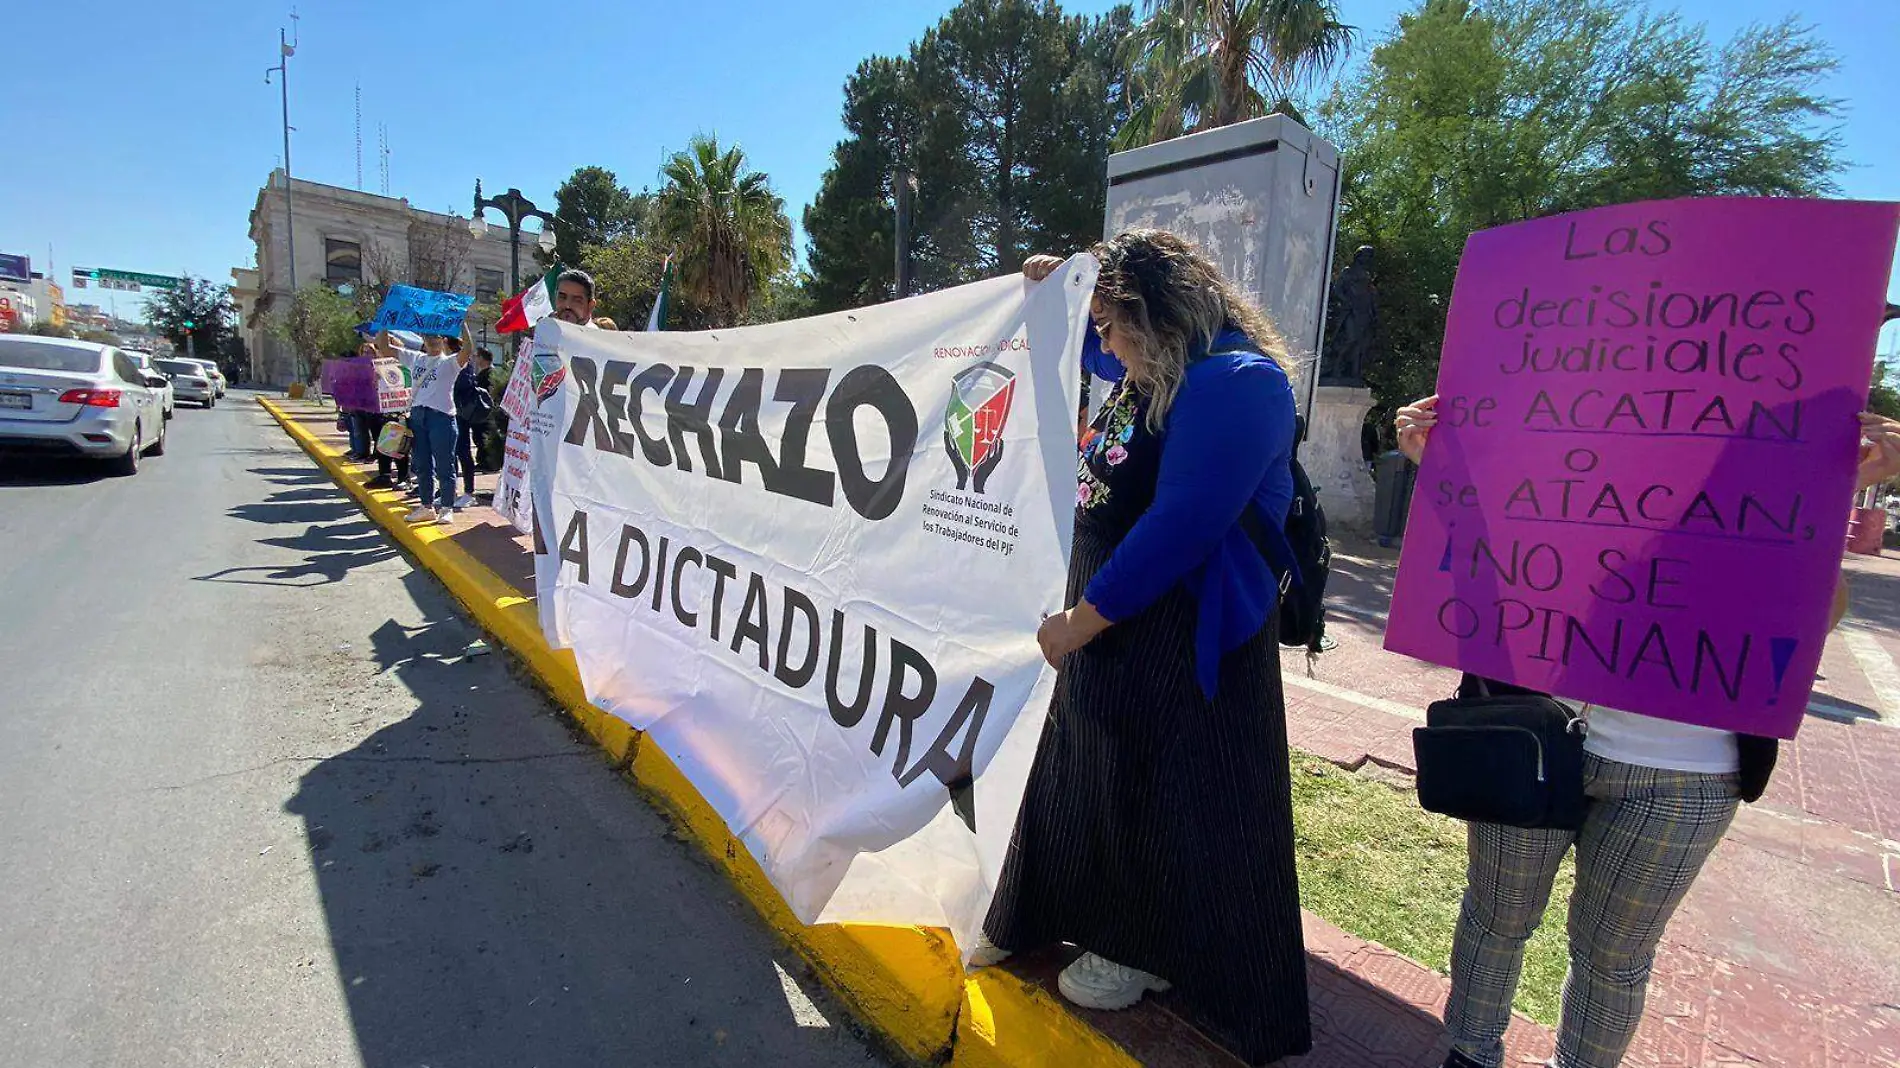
(169, 411)
(128, 464)
(158, 447)
(206, 403)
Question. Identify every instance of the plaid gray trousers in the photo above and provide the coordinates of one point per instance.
(1646, 835)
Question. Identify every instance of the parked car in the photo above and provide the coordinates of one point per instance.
(77, 398)
(167, 395)
(189, 380)
(211, 371)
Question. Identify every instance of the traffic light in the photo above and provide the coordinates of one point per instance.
(189, 325)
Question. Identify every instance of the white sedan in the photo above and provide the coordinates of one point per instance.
(167, 397)
(77, 398)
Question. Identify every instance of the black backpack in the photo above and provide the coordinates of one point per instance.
(1300, 559)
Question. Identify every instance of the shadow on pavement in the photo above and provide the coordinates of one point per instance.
(50, 471)
(331, 552)
(272, 514)
(495, 895)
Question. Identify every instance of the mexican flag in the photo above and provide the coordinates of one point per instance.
(531, 305)
(657, 320)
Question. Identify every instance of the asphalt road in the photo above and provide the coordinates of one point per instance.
(257, 807)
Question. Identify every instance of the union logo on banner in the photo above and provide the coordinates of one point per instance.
(973, 421)
(547, 371)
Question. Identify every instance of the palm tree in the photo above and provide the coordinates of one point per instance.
(728, 229)
(1198, 64)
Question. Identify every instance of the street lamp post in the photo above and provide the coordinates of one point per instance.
(516, 209)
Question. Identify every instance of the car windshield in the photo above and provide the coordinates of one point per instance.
(40, 356)
(181, 367)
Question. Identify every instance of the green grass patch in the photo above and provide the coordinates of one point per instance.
(1376, 865)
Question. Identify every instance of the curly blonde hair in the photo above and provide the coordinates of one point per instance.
(1171, 303)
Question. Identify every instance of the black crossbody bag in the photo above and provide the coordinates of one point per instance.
(1514, 759)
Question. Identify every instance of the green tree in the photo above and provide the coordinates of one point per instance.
(1199, 64)
(319, 322)
(1003, 112)
(1473, 115)
(593, 208)
(198, 309)
(727, 229)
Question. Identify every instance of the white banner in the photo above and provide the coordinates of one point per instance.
(513, 500)
(809, 560)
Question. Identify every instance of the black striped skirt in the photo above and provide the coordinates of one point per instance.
(1157, 829)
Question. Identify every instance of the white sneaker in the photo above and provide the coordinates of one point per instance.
(445, 516)
(466, 500)
(986, 952)
(424, 514)
(1096, 983)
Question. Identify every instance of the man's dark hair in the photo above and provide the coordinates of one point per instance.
(452, 343)
(486, 355)
(578, 277)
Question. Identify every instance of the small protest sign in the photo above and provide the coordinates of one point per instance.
(351, 383)
(424, 311)
(392, 386)
(1638, 488)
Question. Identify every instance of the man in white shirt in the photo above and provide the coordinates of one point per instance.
(432, 419)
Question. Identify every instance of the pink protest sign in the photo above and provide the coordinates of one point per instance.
(1638, 488)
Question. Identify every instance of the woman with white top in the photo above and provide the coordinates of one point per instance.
(1660, 796)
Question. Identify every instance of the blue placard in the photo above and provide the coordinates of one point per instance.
(424, 311)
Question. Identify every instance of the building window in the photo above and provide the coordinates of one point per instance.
(342, 263)
(487, 284)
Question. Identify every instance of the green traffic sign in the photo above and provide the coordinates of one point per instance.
(104, 274)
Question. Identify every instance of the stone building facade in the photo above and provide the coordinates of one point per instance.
(346, 238)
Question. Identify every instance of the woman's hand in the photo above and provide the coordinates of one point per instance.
(1065, 632)
(1414, 423)
(1880, 456)
(1037, 268)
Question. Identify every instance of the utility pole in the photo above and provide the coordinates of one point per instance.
(286, 47)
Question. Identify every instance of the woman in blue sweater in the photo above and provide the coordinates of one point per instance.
(1157, 830)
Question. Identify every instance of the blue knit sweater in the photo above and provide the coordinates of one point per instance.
(1227, 444)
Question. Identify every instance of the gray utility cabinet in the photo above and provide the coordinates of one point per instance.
(1261, 199)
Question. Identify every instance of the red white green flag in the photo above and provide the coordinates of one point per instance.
(530, 306)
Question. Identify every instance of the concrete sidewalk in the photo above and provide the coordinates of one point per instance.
(1372, 1007)
(1787, 951)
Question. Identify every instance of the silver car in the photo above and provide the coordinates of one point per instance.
(77, 398)
(189, 381)
(211, 371)
(167, 398)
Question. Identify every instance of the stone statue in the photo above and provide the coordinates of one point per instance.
(1352, 315)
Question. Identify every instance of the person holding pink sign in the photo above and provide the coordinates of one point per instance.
(1659, 795)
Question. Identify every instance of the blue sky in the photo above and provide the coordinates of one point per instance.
(146, 129)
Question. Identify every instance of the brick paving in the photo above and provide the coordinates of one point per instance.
(1787, 951)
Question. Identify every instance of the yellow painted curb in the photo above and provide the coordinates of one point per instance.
(904, 983)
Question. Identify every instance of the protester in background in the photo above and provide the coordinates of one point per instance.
(357, 420)
(574, 297)
(604, 323)
(374, 424)
(474, 405)
(1660, 795)
(1157, 829)
(432, 418)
